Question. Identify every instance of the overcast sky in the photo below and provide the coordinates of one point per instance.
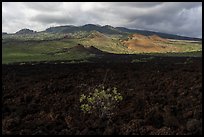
(169, 17)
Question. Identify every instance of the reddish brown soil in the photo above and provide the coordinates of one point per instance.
(154, 43)
(160, 97)
(157, 38)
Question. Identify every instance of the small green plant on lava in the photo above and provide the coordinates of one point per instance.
(101, 102)
(188, 61)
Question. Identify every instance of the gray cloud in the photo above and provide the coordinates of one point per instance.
(46, 7)
(53, 18)
(182, 18)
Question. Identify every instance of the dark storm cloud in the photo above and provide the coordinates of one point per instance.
(183, 18)
(176, 18)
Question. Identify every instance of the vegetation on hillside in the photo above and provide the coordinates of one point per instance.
(28, 45)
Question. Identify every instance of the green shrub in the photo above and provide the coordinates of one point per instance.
(188, 61)
(137, 60)
(100, 102)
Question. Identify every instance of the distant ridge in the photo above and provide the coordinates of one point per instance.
(107, 29)
(4, 33)
(25, 31)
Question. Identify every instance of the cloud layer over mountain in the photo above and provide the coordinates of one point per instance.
(182, 18)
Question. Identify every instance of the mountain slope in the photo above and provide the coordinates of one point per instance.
(103, 42)
(107, 29)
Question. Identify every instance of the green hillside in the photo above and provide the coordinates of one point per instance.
(50, 45)
(40, 51)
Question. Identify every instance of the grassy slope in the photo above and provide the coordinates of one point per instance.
(108, 45)
(186, 46)
(39, 51)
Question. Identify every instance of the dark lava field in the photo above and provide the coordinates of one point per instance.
(160, 97)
